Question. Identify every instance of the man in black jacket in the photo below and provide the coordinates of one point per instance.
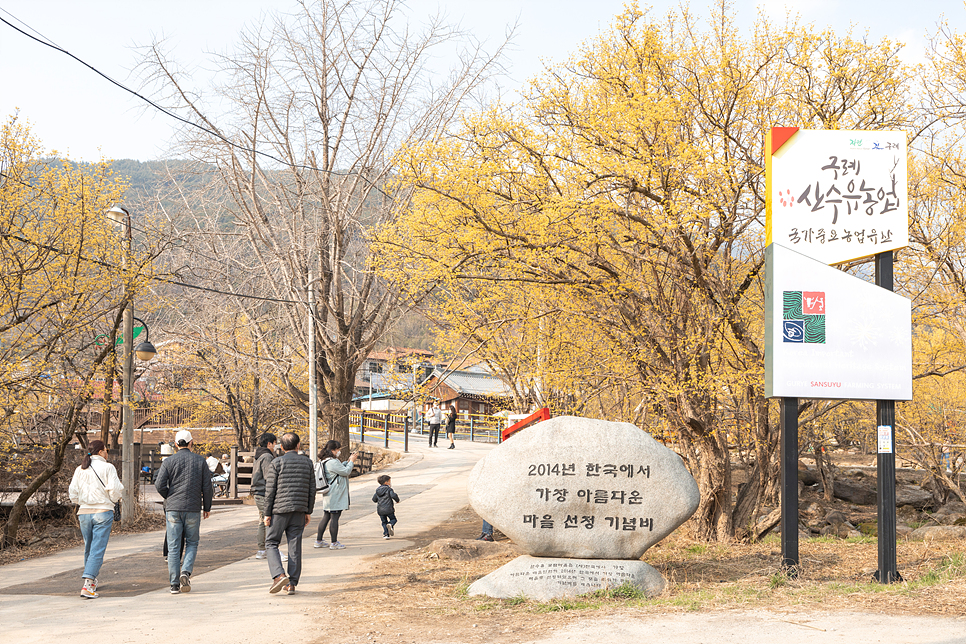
(264, 454)
(289, 502)
(184, 481)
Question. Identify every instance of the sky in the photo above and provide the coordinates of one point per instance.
(84, 117)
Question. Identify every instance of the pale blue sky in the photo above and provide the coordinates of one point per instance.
(78, 113)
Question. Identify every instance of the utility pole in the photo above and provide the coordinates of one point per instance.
(313, 385)
(128, 471)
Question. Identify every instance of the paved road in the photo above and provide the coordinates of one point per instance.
(765, 627)
(39, 600)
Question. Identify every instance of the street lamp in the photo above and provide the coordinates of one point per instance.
(122, 216)
(145, 351)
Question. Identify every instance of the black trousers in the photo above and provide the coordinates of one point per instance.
(433, 434)
(328, 517)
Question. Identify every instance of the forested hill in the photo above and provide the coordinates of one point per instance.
(148, 177)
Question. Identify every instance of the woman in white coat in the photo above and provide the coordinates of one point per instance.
(95, 487)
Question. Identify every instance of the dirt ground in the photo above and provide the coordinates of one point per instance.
(416, 596)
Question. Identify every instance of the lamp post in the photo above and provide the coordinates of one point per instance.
(120, 215)
(145, 352)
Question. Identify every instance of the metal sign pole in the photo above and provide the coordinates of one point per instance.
(885, 411)
(789, 485)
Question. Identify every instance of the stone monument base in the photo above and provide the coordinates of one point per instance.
(546, 578)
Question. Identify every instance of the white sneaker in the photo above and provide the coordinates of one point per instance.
(385, 536)
(284, 558)
(260, 554)
(89, 591)
(335, 545)
(321, 544)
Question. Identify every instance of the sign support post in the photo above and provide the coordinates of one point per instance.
(885, 412)
(789, 484)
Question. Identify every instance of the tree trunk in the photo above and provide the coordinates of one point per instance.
(746, 506)
(714, 514)
(106, 408)
(825, 473)
(762, 480)
(12, 525)
(335, 414)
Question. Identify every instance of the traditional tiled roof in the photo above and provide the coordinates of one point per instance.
(473, 383)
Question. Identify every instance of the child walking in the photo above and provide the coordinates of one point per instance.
(384, 498)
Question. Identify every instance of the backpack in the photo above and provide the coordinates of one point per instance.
(321, 482)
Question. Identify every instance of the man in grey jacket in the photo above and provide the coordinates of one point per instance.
(263, 458)
(184, 481)
(289, 503)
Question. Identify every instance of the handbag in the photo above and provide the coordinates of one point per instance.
(117, 504)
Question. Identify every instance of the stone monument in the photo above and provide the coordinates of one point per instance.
(585, 499)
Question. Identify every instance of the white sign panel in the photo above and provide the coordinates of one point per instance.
(885, 439)
(837, 195)
(831, 335)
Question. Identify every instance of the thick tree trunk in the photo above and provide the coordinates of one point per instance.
(714, 514)
(747, 504)
(335, 415)
(762, 480)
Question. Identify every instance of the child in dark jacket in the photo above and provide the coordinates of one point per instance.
(383, 498)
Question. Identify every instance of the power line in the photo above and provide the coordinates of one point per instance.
(48, 43)
(214, 290)
(155, 278)
(133, 227)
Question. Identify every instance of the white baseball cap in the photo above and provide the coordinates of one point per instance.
(182, 438)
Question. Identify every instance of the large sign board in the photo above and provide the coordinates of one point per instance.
(829, 334)
(836, 195)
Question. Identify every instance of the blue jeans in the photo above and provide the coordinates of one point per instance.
(96, 530)
(188, 524)
(487, 528)
(387, 519)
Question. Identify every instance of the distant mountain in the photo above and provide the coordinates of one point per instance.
(148, 178)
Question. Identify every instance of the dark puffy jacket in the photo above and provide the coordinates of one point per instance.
(263, 459)
(290, 485)
(184, 481)
(383, 498)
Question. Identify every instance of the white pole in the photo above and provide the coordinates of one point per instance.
(313, 387)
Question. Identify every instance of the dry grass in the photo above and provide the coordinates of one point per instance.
(834, 574)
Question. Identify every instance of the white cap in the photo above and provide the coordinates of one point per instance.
(182, 438)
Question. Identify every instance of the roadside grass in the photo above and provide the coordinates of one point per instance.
(832, 572)
(832, 575)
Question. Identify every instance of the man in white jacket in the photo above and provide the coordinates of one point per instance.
(435, 418)
(95, 487)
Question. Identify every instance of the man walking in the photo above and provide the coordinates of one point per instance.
(289, 503)
(435, 420)
(184, 481)
(263, 460)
